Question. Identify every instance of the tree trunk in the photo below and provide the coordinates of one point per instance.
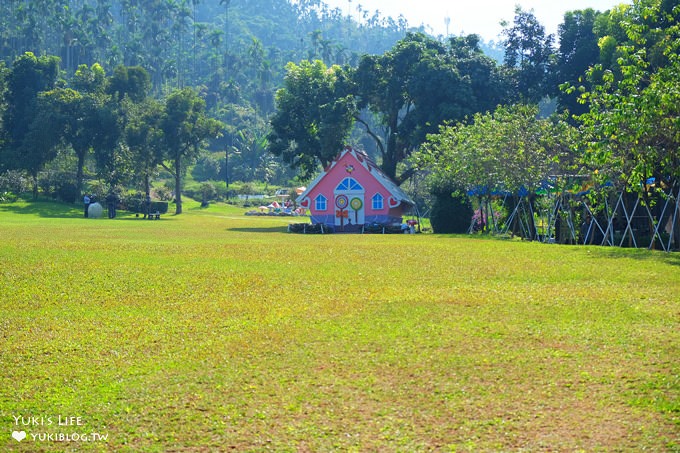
(79, 172)
(675, 226)
(178, 186)
(35, 186)
(389, 166)
(147, 185)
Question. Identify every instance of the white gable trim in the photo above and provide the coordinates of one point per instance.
(396, 193)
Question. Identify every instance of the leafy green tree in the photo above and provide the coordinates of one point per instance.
(132, 81)
(509, 150)
(144, 137)
(631, 128)
(26, 145)
(186, 128)
(89, 79)
(610, 33)
(398, 98)
(114, 162)
(40, 143)
(578, 51)
(528, 53)
(383, 83)
(420, 84)
(250, 155)
(4, 74)
(314, 116)
(89, 121)
(461, 81)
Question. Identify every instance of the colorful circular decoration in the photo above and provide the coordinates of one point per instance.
(356, 203)
(341, 201)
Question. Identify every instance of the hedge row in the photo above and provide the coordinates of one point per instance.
(138, 206)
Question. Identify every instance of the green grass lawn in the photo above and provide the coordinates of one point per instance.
(212, 331)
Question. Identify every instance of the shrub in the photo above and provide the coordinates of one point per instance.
(164, 193)
(208, 167)
(208, 192)
(59, 184)
(135, 203)
(13, 182)
(450, 214)
(99, 189)
(67, 192)
(159, 206)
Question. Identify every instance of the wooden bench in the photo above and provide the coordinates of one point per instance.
(154, 216)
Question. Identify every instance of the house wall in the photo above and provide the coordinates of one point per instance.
(349, 166)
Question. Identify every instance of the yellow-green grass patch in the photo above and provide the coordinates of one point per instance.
(213, 330)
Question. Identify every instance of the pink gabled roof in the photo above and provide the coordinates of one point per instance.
(360, 156)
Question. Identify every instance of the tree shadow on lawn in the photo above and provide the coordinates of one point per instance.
(46, 209)
(131, 216)
(273, 229)
(672, 258)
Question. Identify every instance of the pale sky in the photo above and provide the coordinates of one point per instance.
(482, 17)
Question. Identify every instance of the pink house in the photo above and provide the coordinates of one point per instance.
(353, 191)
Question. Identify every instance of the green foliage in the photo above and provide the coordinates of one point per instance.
(185, 127)
(30, 139)
(313, 118)
(136, 204)
(450, 213)
(67, 192)
(630, 130)
(133, 81)
(505, 150)
(578, 51)
(209, 166)
(407, 92)
(509, 150)
(89, 80)
(419, 84)
(143, 137)
(13, 181)
(12, 185)
(208, 192)
(528, 54)
(226, 50)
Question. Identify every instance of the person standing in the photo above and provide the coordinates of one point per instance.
(86, 201)
(111, 201)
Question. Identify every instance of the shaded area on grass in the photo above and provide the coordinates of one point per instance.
(44, 209)
(672, 258)
(269, 229)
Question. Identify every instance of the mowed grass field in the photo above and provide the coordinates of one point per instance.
(212, 331)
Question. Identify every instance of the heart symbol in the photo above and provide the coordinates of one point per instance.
(19, 435)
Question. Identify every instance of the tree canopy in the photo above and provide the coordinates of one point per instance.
(313, 118)
(397, 98)
(185, 128)
(632, 123)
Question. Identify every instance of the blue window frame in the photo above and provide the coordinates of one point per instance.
(320, 203)
(377, 202)
(349, 184)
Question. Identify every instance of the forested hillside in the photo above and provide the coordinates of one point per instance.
(236, 49)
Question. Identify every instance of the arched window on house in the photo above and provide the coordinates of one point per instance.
(349, 184)
(378, 202)
(320, 203)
